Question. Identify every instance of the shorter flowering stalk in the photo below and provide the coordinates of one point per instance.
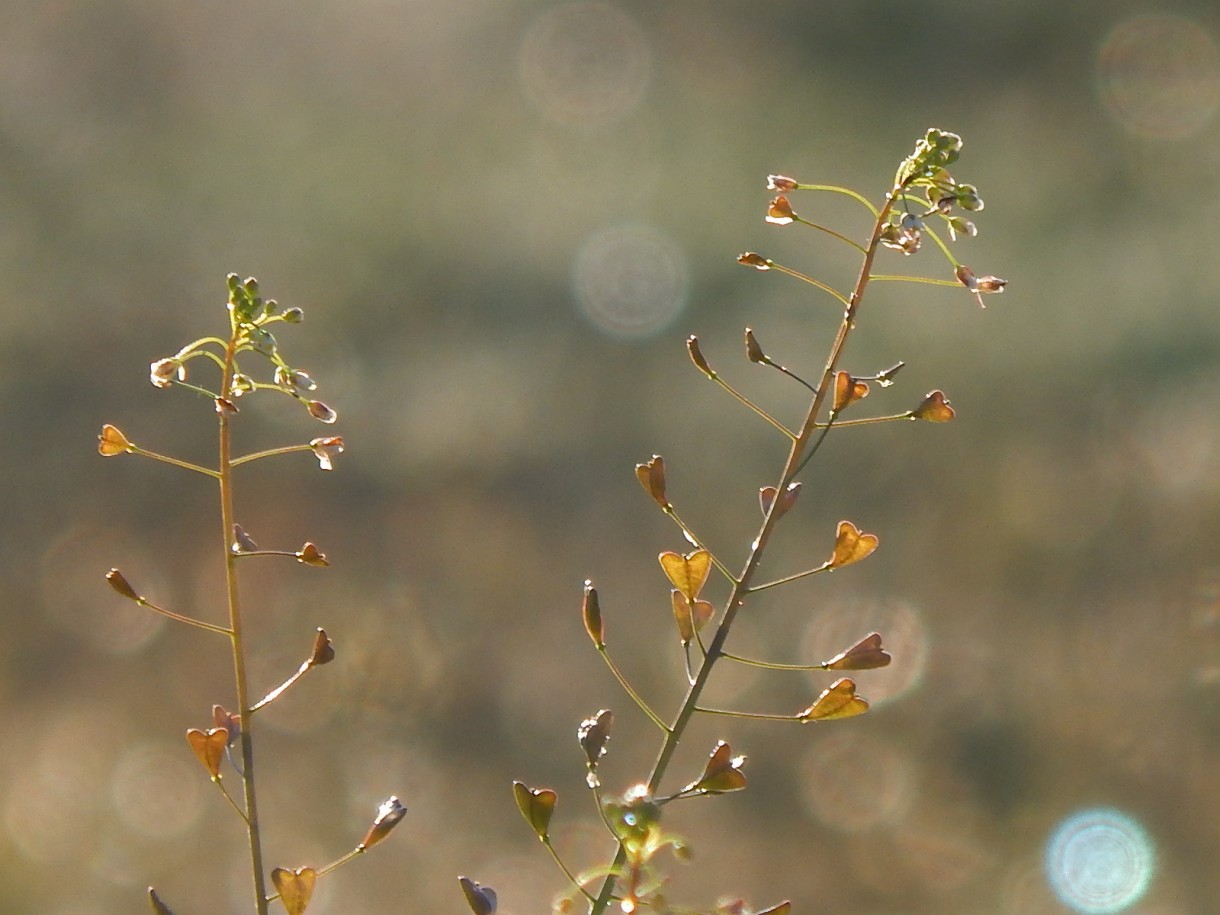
(249, 340)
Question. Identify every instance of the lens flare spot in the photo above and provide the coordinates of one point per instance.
(631, 281)
(1159, 76)
(1099, 861)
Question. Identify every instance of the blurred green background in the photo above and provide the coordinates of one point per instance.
(502, 219)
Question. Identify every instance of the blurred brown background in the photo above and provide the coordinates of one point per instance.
(502, 219)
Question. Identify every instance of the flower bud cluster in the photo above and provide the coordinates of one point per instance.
(250, 314)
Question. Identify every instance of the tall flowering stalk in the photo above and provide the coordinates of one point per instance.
(924, 201)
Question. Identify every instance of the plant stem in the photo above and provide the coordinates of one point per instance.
(189, 620)
(869, 420)
(796, 459)
(806, 278)
(626, 685)
(928, 280)
(829, 231)
(772, 665)
(239, 655)
(165, 458)
(842, 190)
(546, 841)
(286, 449)
(787, 578)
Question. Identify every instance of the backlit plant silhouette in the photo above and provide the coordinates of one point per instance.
(924, 201)
(249, 339)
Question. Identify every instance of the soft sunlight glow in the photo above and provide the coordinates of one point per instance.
(631, 281)
(1159, 76)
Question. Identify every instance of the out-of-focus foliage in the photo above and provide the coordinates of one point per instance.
(502, 219)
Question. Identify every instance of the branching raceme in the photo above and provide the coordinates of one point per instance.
(250, 337)
(924, 201)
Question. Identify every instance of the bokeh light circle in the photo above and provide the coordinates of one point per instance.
(903, 631)
(155, 791)
(853, 782)
(77, 599)
(1099, 861)
(631, 281)
(585, 63)
(1159, 76)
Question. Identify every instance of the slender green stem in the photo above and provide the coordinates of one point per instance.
(797, 457)
(729, 713)
(601, 808)
(783, 581)
(753, 406)
(270, 452)
(869, 420)
(945, 249)
(825, 427)
(771, 665)
(900, 278)
(829, 231)
(207, 354)
(194, 345)
(339, 862)
(238, 643)
(282, 688)
(546, 840)
(228, 797)
(627, 687)
(795, 377)
(246, 554)
(835, 189)
(699, 640)
(166, 459)
(178, 617)
(202, 392)
(805, 278)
